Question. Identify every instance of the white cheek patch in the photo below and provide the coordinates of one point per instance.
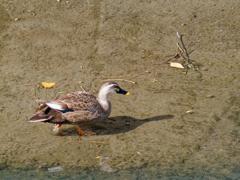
(55, 106)
(112, 92)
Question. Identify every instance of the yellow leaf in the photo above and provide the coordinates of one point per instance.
(47, 84)
(176, 65)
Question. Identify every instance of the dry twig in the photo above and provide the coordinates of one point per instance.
(181, 50)
(98, 142)
(119, 80)
(83, 88)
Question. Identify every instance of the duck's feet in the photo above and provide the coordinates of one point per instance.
(88, 133)
(56, 128)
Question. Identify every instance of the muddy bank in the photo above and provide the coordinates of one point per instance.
(91, 41)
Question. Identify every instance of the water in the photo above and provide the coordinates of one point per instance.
(150, 130)
(134, 174)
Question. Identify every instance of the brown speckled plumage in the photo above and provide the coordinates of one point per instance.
(78, 108)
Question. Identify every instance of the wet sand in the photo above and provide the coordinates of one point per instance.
(90, 41)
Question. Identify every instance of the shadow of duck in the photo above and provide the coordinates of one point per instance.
(114, 125)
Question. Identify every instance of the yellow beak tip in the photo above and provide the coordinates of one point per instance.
(128, 93)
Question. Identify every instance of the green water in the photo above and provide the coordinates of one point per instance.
(133, 174)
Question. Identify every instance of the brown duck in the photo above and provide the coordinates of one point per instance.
(78, 108)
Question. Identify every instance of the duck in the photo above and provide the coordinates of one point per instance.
(78, 108)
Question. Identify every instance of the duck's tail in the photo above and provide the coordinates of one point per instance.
(47, 114)
(43, 116)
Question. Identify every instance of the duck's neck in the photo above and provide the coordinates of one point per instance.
(103, 101)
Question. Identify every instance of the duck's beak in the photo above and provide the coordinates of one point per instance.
(128, 93)
(121, 91)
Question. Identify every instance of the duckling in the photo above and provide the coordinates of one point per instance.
(78, 108)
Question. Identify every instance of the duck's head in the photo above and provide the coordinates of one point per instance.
(112, 88)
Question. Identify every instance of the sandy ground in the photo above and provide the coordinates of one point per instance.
(90, 41)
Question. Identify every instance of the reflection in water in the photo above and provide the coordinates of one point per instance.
(104, 164)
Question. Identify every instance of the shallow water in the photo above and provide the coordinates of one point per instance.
(148, 134)
(134, 174)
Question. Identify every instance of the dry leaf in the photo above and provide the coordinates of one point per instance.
(176, 65)
(47, 84)
(98, 157)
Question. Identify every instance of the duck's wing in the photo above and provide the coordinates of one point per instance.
(85, 107)
(76, 107)
(83, 117)
(76, 101)
(80, 101)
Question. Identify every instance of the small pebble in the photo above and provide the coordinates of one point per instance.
(54, 169)
(189, 112)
